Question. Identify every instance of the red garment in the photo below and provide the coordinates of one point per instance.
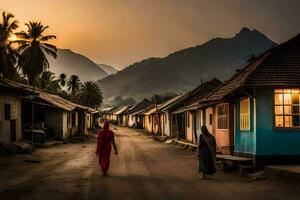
(105, 139)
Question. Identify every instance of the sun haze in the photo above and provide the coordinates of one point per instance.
(122, 32)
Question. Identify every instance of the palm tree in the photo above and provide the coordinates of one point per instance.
(46, 78)
(48, 81)
(89, 94)
(8, 56)
(33, 47)
(62, 79)
(73, 84)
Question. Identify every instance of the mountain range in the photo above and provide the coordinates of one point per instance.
(108, 69)
(183, 70)
(70, 63)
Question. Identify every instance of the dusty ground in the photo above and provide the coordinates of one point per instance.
(144, 169)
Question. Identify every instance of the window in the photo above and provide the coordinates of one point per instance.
(7, 111)
(223, 111)
(210, 119)
(286, 108)
(245, 114)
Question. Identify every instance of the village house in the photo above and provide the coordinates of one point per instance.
(138, 119)
(134, 117)
(10, 113)
(155, 121)
(110, 114)
(121, 116)
(256, 113)
(113, 117)
(54, 116)
(182, 119)
(104, 113)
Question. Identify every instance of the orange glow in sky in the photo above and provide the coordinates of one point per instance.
(121, 32)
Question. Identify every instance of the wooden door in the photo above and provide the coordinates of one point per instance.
(13, 131)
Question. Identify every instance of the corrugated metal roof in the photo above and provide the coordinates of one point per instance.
(50, 98)
(151, 111)
(122, 109)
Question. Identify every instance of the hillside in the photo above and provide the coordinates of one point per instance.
(183, 70)
(108, 69)
(71, 63)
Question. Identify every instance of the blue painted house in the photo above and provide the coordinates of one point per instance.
(266, 105)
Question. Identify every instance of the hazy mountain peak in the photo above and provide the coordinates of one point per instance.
(70, 63)
(183, 70)
(247, 33)
(108, 69)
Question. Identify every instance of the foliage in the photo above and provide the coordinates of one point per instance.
(73, 84)
(8, 56)
(47, 81)
(89, 94)
(33, 44)
(62, 79)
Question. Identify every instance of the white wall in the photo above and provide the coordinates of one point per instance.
(166, 125)
(131, 120)
(15, 108)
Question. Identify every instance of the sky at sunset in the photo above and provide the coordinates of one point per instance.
(121, 32)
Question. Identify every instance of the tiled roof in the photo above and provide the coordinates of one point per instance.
(193, 97)
(278, 67)
(138, 106)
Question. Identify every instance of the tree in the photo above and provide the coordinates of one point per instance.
(33, 61)
(62, 79)
(8, 56)
(89, 94)
(48, 81)
(33, 44)
(73, 84)
(45, 79)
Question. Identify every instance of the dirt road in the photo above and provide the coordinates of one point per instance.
(144, 169)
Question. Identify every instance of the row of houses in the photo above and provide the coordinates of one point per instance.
(54, 116)
(254, 114)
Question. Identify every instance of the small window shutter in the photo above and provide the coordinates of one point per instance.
(7, 111)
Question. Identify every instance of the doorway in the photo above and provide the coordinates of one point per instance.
(13, 131)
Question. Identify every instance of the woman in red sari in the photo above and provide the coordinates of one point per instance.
(106, 138)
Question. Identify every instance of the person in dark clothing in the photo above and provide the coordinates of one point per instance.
(207, 153)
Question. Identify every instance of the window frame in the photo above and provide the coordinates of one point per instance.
(248, 114)
(211, 117)
(227, 115)
(296, 128)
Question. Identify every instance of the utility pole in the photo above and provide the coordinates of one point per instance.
(32, 113)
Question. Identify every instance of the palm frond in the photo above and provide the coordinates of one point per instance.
(47, 37)
(49, 51)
